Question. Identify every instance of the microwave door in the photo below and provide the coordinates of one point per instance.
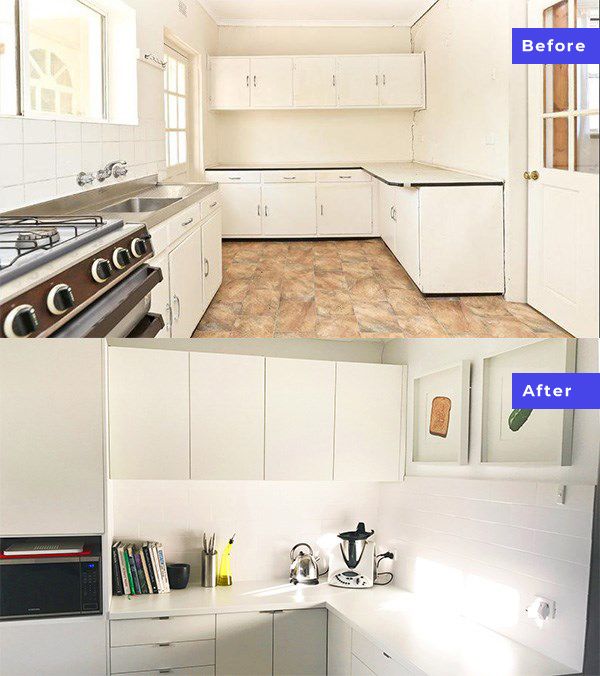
(36, 587)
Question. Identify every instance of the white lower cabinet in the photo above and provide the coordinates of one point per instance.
(367, 658)
(300, 642)
(161, 296)
(289, 210)
(407, 235)
(212, 258)
(128, 659)
(339, 646)
(358, 668)
(345, 209)
(185, 671)
(242, 210)
(386, 214)
(185, 275)
(244, 644)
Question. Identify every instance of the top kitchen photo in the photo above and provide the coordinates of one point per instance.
(232, 169)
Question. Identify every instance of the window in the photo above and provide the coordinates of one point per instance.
(9, 103)
(176, 112)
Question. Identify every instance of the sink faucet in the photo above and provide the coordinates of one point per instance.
(115, 169)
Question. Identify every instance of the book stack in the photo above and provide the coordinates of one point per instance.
(139, 569)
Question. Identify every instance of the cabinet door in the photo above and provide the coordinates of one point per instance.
(241, 209)
(407, 231)
(227, 403)
(271, 82)
(245, 644)
(386, 210)
(368, 417)
(185, 273)
(360, 669)
(148, 414)
(300, 399)
(339, 646)
(358, 81)
(51, 456)
(314, 82)
(289, 209)
(305, 657)
(212, 258)
(401, 80)
(161, 295)
(345, 209)
(230, 82)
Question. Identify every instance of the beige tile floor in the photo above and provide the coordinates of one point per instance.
(347, 289)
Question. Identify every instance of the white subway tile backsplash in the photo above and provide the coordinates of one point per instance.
(39, 131)
(110, 133)
(40, 192)
(11, 130)
(68, 132)
(39, 162)
(110, 152)
(12, 197)
(91, 159)
(68, 159)
(11, 166)
(127, 151)
(91, 133)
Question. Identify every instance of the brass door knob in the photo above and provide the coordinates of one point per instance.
(531, 176)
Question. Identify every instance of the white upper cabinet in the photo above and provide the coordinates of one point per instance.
(314, 82)
(401, 80)
(271, 85)
(358, 81)
(368, 421)
(289, 209)
(300, 400)
(149, 414)
(227, 416)
(51, 438)
(230, 82)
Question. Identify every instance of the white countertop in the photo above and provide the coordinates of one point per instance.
(404, 174)
(393, 619)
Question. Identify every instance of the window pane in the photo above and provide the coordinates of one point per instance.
(172, 120)
(181, 117)
(556, 141)
(181, 78)
(556, 77)
(172, 69)
(172, 159)
(587, 149)
(8, 58)
(66, 50)
(182, 147)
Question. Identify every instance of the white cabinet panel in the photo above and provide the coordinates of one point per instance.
(51, 438)
(149, 414)
(53, 648)
(212, 258)
(368, 417)
(230, 82)
(401, 80)
(271, 82)
(185, 671)
(161, 630)
(300, 398)
(241, 209)
(314, 82)
(227, 416)
(345, 209)
(386, 214)
(376, 660)
(161, 295)
(245, 644)
(358, 81)
(360, 669)
(406, 228)
(185, 273)
(162, 656)
(300, 642)
(339, 646)
(289, 209)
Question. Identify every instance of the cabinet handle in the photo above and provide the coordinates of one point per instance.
(377, 80)
(259, 209)
(247, 80)
(255, 80)
(234, 178)
(163, 645)
(322, 210)
(213, 205)
(345, 178)
(166, 617)
(334, 80)
(384, 79)
(188, 222)
(289, 178)
(386, 655)
(165, 671)
(178, 302)
(206, 267)
(266, 211)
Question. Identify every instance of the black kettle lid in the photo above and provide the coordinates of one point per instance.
(360, 533)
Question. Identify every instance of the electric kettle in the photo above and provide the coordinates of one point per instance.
(304, 568)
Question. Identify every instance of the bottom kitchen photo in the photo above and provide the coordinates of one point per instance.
(302, 507)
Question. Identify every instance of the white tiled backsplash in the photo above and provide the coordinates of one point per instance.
(41, 158)
(487, 548)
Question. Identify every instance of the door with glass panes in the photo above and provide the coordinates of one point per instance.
(177, 114)
(563, 178)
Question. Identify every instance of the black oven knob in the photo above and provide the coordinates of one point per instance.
(139, 247)
(121, 258)
(101, 270)
(61, 299)
(21, 322)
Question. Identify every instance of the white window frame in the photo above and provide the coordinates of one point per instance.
(182, 169)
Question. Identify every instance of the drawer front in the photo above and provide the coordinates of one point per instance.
(209, 205)
(161, 630)
(186, 671)
(344, 176)
(375, 659)
(233, 176)
(183, 222)
(160, 238)
(167, 656)
(289, 176)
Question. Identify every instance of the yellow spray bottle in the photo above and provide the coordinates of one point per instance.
(224, 578)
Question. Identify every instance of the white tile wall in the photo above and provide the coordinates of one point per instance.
(40, 159)
(487, 548)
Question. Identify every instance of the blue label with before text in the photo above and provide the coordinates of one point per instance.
(556, 390)
(556, 45)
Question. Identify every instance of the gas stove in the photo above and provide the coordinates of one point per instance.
(80, 276)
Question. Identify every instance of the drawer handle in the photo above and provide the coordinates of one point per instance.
(234, 178)
(386, 655)
(163, 645)
(165, 617)
(345, 177)
(188, 222)
(213, 205)
(165, 671)
(206, 267)
(266, 211)
(322, 210)
(289, 178)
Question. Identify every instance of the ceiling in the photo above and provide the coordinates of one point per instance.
(316, 12)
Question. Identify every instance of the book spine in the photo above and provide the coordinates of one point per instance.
(117, 581)
(124, 578)
(147, 556)
(156, 567)
(163, 566)
(133, 569)
(140, 570)
(145, 570)
(128, 569)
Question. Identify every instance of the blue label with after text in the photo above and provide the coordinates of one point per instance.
(556, 45)
(556, 390)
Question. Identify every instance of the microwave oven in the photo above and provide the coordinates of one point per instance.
(51, 586)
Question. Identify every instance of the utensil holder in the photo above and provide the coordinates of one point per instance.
(209, 569)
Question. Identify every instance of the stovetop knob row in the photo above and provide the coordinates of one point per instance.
(21, 322)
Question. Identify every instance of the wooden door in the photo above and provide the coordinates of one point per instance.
(345, 209)
(241, 209)
(295, 656)
(563, 181)
(227, 403)
(271, 82)
(212, 258)
(402, 81)
(149, 414)
(358, 81)
(185, 273)
(244, 644)
(230, 82)
(314, 82)
(289, 209)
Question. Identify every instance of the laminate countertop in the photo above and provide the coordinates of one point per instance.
(403, 174)
(422, 639)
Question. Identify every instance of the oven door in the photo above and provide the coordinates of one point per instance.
(40, 588)
(123, 312)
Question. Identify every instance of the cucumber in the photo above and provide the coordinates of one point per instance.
(518, 418)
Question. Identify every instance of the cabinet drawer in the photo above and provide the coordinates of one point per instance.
(375, 659)
(161, 630)
(233, 176)
(289, 176)
(168, 656)
(209, 205)
(160, 238)
(186, 671)
(183, 222)
(344, 176)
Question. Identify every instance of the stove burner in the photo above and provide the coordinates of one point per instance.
(37, 239)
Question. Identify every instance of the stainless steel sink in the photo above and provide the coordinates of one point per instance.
(141, 205)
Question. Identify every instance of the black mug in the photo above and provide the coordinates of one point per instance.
(179, 575)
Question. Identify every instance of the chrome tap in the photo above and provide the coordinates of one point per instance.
(84, 179)
(115, 169)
